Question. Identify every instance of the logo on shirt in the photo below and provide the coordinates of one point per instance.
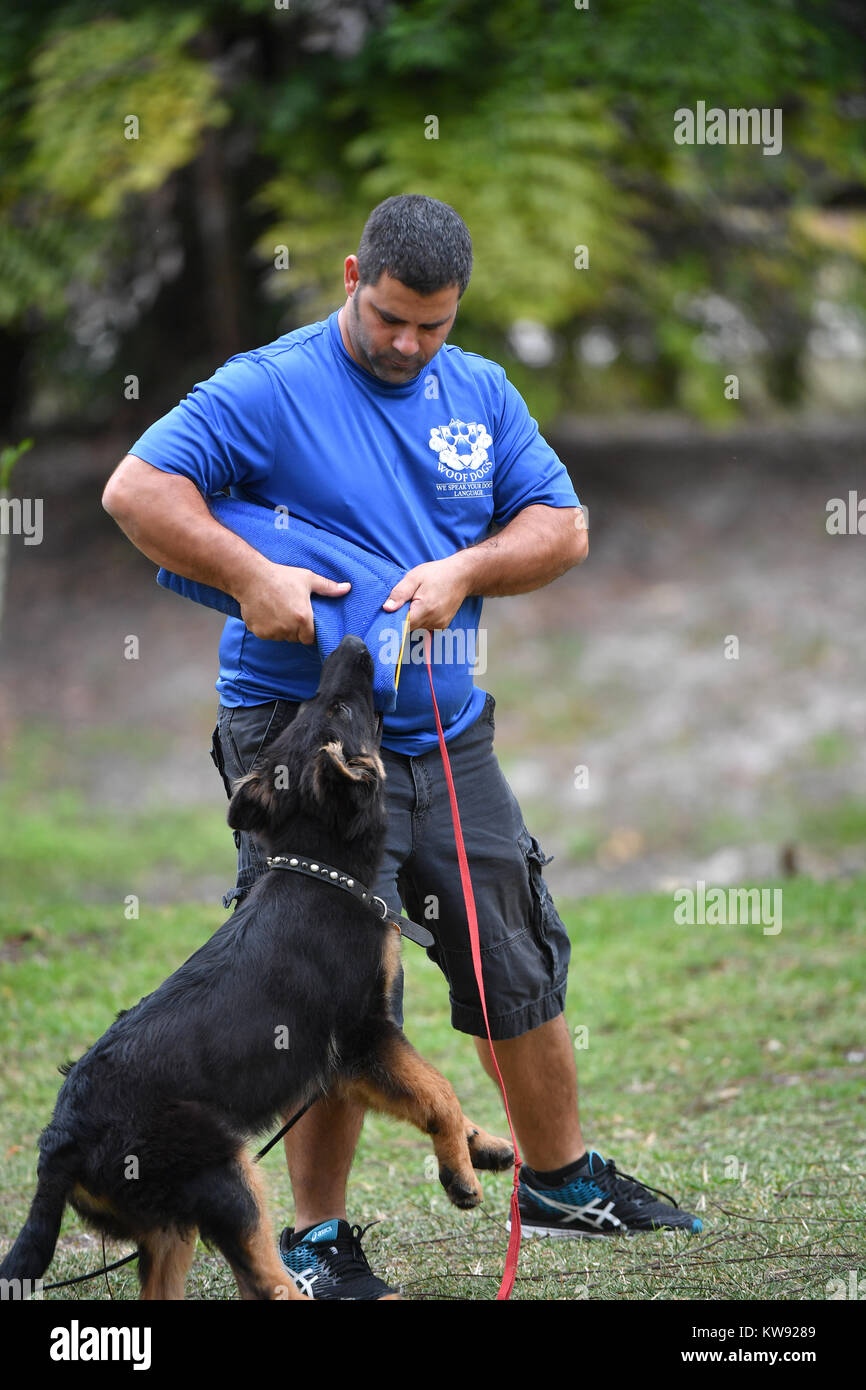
(462, 450)
(463, 460)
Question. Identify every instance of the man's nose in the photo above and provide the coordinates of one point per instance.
(406, 343)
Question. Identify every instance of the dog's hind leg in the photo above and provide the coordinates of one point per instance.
(163, 1262)
(402, 1084)
(233, 1215)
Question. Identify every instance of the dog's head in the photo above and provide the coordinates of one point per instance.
(325, 766)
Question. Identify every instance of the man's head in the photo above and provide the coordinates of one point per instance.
(413, 264)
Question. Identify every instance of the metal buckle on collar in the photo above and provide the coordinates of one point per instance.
(389, 917)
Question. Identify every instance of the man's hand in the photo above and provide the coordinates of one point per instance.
(436, 590)
(276, 603)
(536, 546)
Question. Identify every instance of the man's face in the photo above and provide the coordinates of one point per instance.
(392, 331)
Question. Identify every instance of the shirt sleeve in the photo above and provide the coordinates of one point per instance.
(221, 434)
(528, 472)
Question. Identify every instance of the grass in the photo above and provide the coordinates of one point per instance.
(722, 1065)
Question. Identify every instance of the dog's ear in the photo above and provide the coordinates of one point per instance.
(255, 797)
(347, 787)
(250, 806)
(335, 765)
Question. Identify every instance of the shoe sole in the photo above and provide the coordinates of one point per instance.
(566, 1234)
(627, 1232)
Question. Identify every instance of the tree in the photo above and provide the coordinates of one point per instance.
(549, 128)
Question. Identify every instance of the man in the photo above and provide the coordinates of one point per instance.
(370, 427)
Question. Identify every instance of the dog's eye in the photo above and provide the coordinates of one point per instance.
(340, 708)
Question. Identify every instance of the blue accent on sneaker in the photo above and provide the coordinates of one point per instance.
(579, 1205)
(327, 1262)
(327, 1231)
(301, 1260)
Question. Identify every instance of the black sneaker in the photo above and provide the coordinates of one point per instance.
(327, 1262)
(597, 1201)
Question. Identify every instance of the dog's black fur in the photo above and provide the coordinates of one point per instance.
(147, 1137)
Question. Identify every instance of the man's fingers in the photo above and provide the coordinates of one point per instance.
(419, 612)
(307, 630)
(326, 588)
(400, 593)
(329, 588)
(281, 611)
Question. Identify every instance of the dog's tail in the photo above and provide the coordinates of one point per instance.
(31, 1254)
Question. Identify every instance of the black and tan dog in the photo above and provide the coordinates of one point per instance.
(287, 999)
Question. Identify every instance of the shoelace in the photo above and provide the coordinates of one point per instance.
(618, 1179)
(358, 1233)
(348, 1250)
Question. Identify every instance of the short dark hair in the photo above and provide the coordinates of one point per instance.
(417, 240)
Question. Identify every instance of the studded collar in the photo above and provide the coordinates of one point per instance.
(326, 873)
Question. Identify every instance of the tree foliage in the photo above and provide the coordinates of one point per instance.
(117, 105)
(547, 127)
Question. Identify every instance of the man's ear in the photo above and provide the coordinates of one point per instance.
(255, 797)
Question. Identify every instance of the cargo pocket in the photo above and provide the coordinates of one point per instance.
(489, 711)
(246, 730)
(218, 760)
(547, 926)
(240, 735)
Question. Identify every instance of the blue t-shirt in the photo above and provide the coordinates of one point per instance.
(412, 472)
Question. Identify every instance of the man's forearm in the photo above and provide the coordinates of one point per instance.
(167, 518)
(536, 547)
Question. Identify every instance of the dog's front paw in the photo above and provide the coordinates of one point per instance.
(489, 1152)
(461, 1193)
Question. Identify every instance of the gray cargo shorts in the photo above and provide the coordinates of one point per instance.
(524, 946)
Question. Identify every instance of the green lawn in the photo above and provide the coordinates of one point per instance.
(723, 1065)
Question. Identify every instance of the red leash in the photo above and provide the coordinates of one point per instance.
(514, 1240)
